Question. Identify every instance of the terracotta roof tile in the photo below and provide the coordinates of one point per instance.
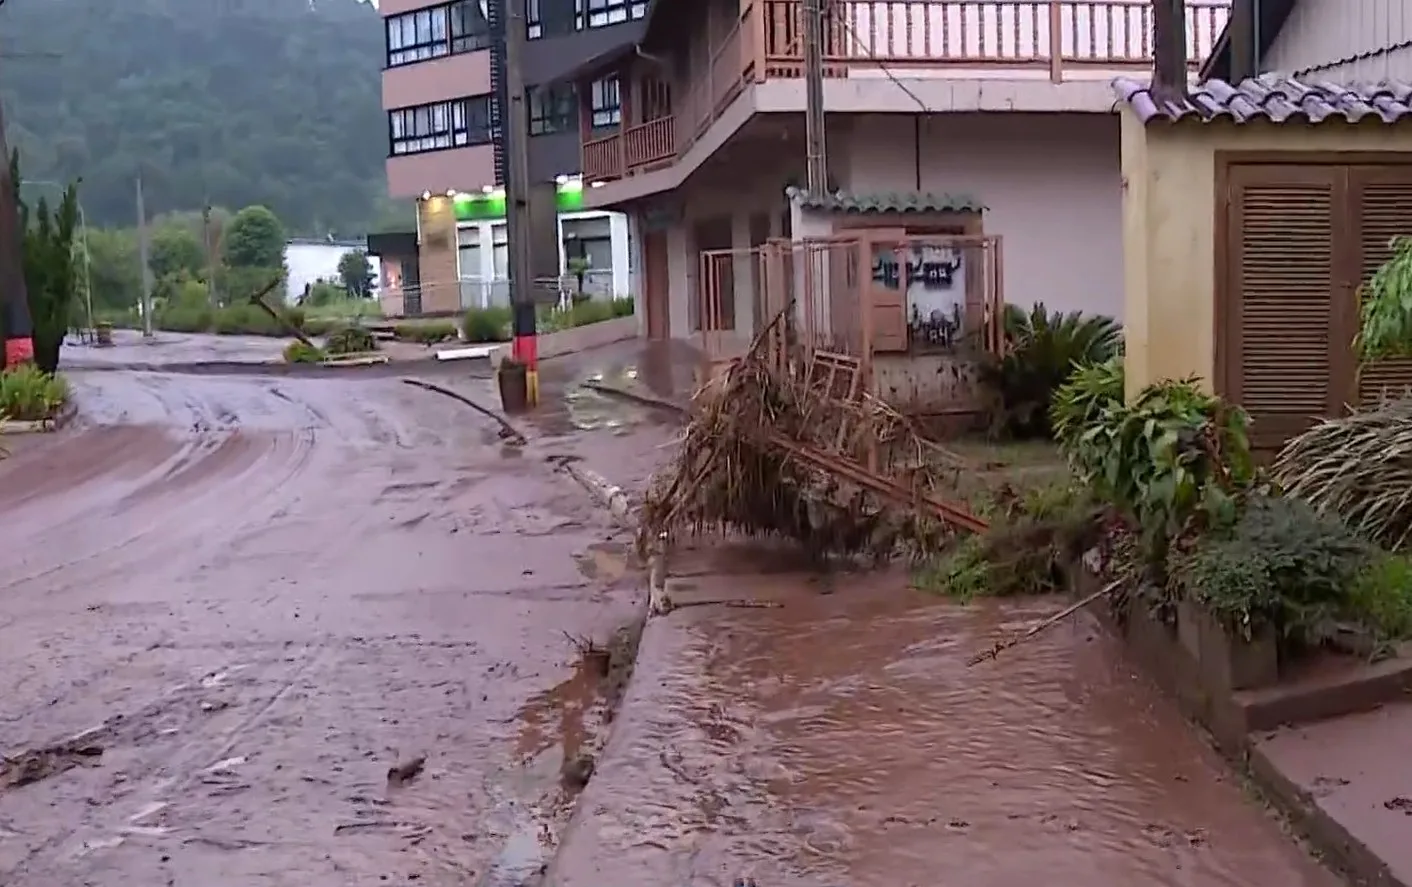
(1273, 98)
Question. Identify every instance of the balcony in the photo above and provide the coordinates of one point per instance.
(1004, 39)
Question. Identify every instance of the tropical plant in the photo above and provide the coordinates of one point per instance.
(1174, 457)
(1358, 467)
(1386, 306)
(1079, 403)
(1042, 349)
(28, 393)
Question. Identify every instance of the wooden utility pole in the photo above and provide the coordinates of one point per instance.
(816, 161)
(15, 321)
(1169, 73)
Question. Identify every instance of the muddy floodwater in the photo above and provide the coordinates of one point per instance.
(263, 630)
(842, 740)
(231, 607)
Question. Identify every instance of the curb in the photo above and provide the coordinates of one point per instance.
(40, 426)
(612, 497)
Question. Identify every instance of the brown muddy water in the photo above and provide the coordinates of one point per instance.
(234, 608)
(842, 740)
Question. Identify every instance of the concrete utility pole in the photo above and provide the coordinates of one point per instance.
(143, 250)
(816, 151)
(18, 326)
(515, 132)
(1169, 73)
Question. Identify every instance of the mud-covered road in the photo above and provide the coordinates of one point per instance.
(229, 604)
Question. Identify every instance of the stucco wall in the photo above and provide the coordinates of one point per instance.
(1169, 229)
(1050, 182)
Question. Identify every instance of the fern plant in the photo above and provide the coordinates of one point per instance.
(1042, 349)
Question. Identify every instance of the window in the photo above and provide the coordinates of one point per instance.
(436, 32)
(602, 13)
(607, 107)
(551, 110)
(534, 23)
(452, 124)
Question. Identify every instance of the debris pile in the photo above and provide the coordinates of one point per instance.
(789, 453)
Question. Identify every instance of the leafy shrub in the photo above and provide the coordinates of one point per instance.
(1079, 403)
(1042, 350)
(28, 394)
(300, 352)
(427, 333)
(1381, 597)
(581, 313)
(1032, 542)
(1386, 323)
(184, 319)
(485, 325)
(319, 326)
(1282, 564)
(1358, 467)
(624, 306)
(1173, 456)
(351, 340)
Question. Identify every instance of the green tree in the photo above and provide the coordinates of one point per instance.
(116, 274)
(50, 268)
(356, 272)
(254, 239)
(182, 105)
(176, 248)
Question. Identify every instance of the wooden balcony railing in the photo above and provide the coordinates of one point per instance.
(1048, 35)
(1040, 33)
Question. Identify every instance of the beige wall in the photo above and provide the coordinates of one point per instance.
(1050, 182)
(458, 169)
(436, 80)
(1345, 40)
(1169, 229)
(437, 256)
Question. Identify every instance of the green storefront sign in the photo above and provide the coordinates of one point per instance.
(482, 207)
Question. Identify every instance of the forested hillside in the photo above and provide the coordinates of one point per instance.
(227, 102)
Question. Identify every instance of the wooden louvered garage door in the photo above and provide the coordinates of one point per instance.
(1382, 207)
(1281, 361)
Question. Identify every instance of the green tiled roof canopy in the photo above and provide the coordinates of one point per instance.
(886, 202)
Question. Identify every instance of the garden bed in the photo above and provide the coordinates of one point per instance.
(32, 401)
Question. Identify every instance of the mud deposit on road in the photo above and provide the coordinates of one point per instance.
(841, 740)
(230, 605)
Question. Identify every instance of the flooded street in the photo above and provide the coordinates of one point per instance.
(230, 605)
(271, 630)
(842, 740)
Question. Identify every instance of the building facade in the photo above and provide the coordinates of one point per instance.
(1326, 40)
(438, 89)
(697, 135)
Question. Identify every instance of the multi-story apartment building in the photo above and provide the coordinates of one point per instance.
(987, 117)
(438, 89)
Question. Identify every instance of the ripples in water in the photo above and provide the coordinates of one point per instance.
(843, 740)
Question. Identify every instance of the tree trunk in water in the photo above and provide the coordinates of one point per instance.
(1169, 74)
(15, 324)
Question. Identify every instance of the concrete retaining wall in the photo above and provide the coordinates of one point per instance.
(580, 338)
